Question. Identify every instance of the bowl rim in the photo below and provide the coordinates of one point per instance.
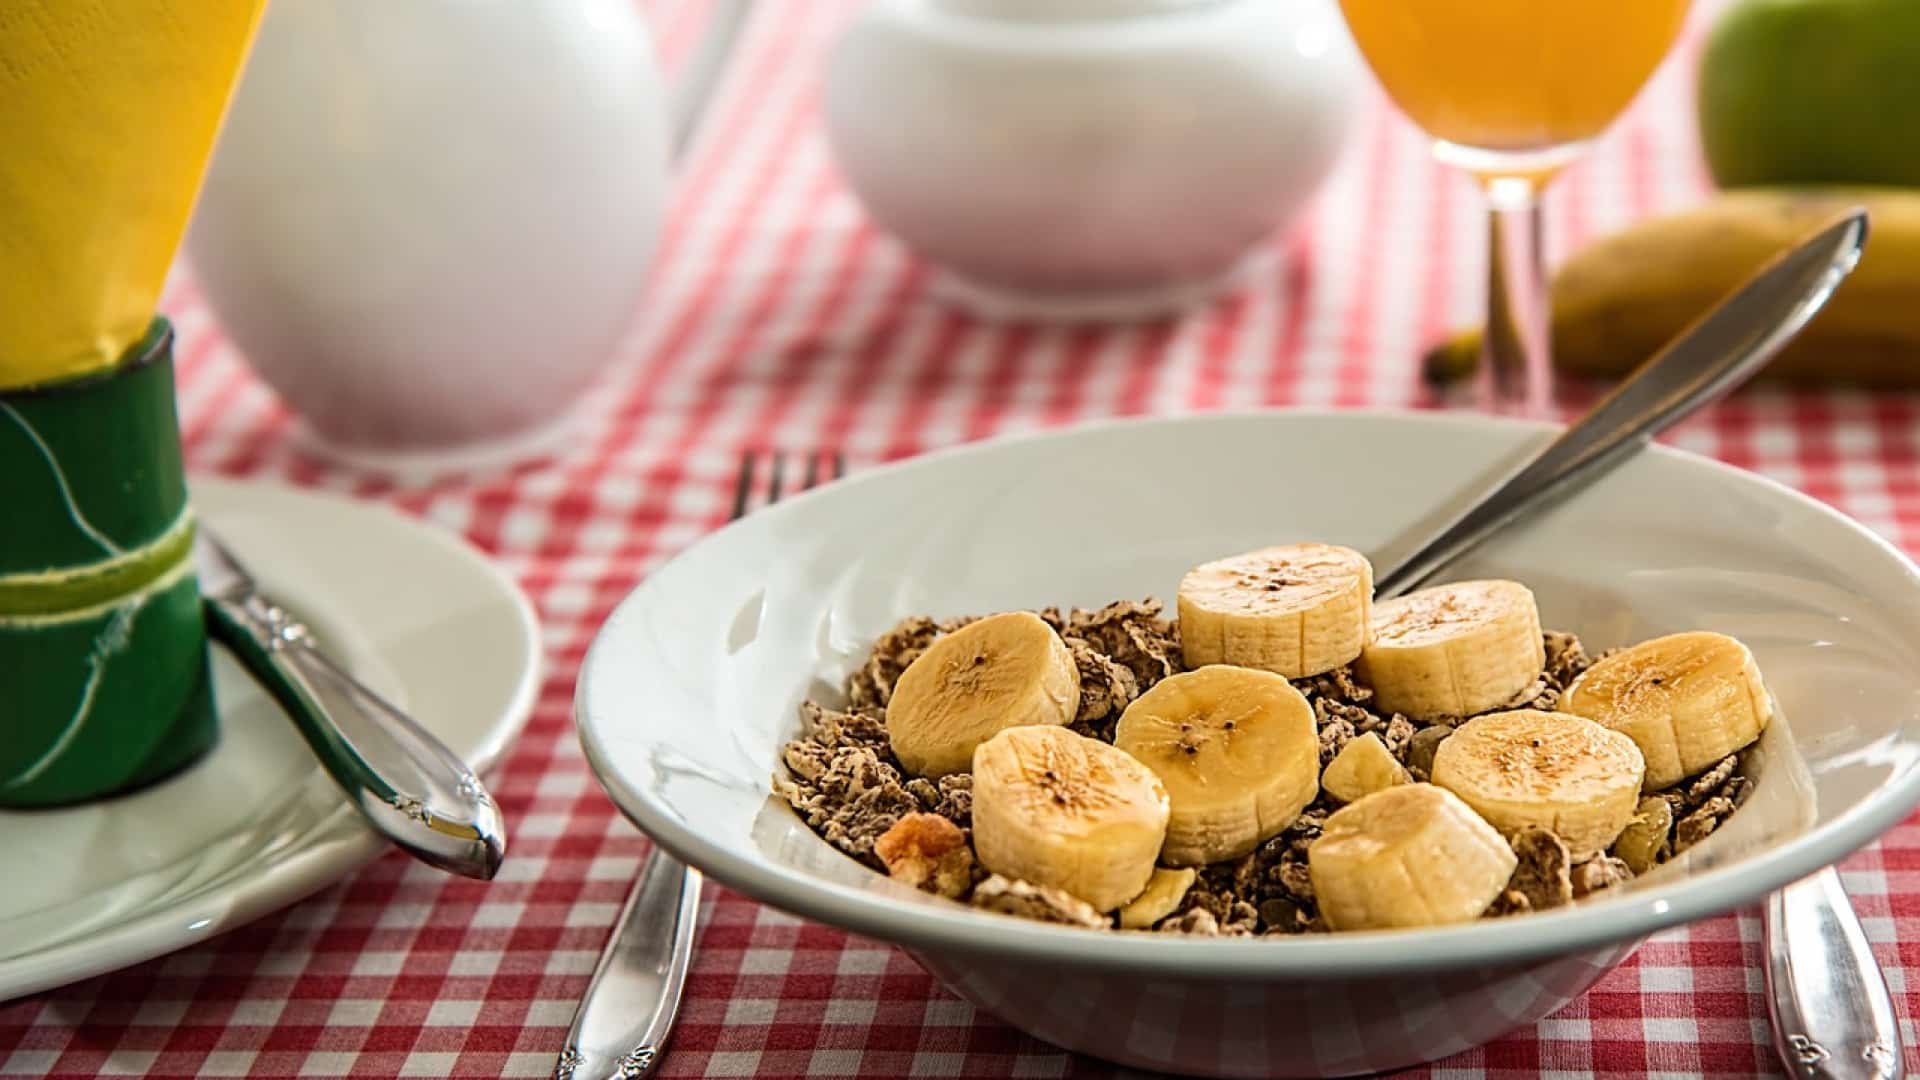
(936, 927)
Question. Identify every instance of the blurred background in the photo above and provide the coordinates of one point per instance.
(769, 273)
(776, 311)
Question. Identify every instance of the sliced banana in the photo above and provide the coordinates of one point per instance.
(999, 672)
(1454, 650)
(1296, 610)
(1411, 855)
(1552, 770)
(1163, 894)
(1648, 838)
(1239, 754)
(1362, 767)
(1687, 700)
(1062, 810)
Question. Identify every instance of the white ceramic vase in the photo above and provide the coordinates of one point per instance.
(1089, 157)
(427, 223)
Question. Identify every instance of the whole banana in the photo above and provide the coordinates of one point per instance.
(1620, 298)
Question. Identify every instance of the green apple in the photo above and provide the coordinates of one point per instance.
(1813, 91)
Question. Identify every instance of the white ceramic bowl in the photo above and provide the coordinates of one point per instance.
(1088, 158)
(692, 686)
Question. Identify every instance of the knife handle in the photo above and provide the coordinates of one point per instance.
(404, 782)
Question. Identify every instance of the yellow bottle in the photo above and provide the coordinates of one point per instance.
(109, 109)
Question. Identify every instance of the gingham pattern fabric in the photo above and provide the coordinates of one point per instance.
(779, 317)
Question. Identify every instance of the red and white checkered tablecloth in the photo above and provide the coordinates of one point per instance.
(779, 317)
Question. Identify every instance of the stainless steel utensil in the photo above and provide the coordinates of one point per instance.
(1832, 1015)
(402, 779)
(1721, 350)
(633, 998)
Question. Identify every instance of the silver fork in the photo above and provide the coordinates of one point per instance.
(627, 1014)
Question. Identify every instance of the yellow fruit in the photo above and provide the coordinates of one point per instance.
(1067, 812)
(1162, 895)
(1238, 751)
(998, 672)
(1362, 767)
(1454, 650)
(1549, 770)
(1686, 700)
(1295, 610)
(1412, 855)
(1618, 300)
(1648, 838)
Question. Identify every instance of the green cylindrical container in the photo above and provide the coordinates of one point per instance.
(103, 657)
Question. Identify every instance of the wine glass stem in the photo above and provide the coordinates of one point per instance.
(1517, 350)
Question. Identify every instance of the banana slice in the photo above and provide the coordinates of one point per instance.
(1553, 770)
(1062, 810)
(1000, 672)
(1362, 767)
(1296, 610)
(1163, 894)
(1238, 751)
(1687, 700)
(1454, 650)
(1411, 855)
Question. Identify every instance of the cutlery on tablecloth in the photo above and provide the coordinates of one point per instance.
(633, 998)
(403, 780)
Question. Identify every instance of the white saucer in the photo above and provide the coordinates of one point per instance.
(413, 610)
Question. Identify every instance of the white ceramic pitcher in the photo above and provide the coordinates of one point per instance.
(427, 223)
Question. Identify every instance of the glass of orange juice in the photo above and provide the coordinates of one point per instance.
(1512, 91)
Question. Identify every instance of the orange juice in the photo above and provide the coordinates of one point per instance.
(1513, 75)
(108, 109)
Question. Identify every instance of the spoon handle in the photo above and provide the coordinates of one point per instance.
(406, 784)
(631, 1002)
(1717, 353)
(1832, 1016)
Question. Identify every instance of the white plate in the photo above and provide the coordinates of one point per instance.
(413, 610)
(691, 687)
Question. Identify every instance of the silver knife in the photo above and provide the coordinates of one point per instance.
(405, 783)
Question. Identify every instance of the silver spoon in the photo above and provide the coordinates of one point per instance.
(405, 782)
(1721, 350)
(1832, 1015)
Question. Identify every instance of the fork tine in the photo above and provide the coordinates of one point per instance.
(743, 487)
(775, 482)
(777, 476)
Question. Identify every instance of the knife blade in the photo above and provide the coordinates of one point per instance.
(405, 782)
